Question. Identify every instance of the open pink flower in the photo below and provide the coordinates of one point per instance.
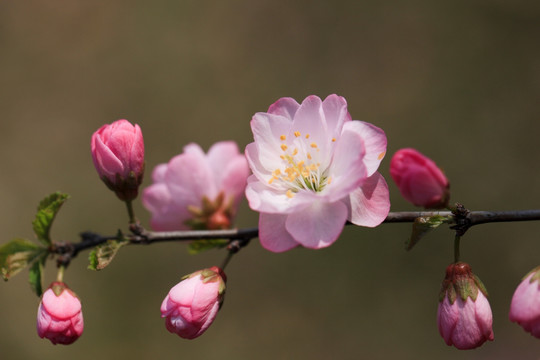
(192, 305)
(525, 306)
(464, 316)
(118, 154)
(59, 317)
(419, 179)
(314, 169)
(197, 190)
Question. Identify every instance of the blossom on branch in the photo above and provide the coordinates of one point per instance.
(314, 168)
(195, 190)
(464, 316)
(525, 306)
(59, 317)
(192, 305)
(118, 155)
(419, 179)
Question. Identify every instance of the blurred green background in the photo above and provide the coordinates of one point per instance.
(458, 80)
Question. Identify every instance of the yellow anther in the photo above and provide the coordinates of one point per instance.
(283, 147)
(272, 180)
(307, 136)
(295, 151)
(282, 137)
(301, 164)
(333, 139)
(381, 155)
(282, 157)
(297, 133)
(309, 156)
(276, 172)
(289, 193)
(313, 145)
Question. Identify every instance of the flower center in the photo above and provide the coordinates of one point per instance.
(300, 169)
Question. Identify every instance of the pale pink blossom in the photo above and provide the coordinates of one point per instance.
(419, 179)
(464, 316)
(118, 155)
(197, 190)
(59, 317)
(313, 169)
(525, 306)
(192, 305)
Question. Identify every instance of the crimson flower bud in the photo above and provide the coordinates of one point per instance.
(192, 305)
(464, 315)
(118, 154)
(59, 316)
(525, 306)
(419, 179)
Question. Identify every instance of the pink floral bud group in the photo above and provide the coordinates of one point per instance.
(192, 305)
(419, 179)
(59, 317)
(464, 315)
(525, 306)
(118, 154)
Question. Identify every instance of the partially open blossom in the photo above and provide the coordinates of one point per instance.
(525, 306)
(464, 315)
(59, 317)
(197, 190)
(192, 305)
(313, 169)
(419, 179)
(118, 154)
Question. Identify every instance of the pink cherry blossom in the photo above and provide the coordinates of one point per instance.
(419, 179)
(192, 305)
(313, 169)
(197, 190)
(525, 306)
(118, 154)
(59, 317)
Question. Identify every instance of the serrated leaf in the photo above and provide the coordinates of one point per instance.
(103, 254)
(423, 225)
(46, 212)
(16, 255)
(198, 246)
(35, 274)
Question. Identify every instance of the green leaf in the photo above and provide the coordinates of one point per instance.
(103, 254)
(423, 225)
(35, 273)
(16, 255)
(47, 210)
(198, 246)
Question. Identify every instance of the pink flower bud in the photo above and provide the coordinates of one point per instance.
(419, 179)
(192, 305)
(118, 154)
(464, 315)
(59, 317)
(525, 306)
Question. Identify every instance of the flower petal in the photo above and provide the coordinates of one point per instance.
(335, 113)
(267, 130)
(369, 204)
(263, 198)
(272, 233)
(374, 140)
(285, 107)
(319, 225)
(219, 157)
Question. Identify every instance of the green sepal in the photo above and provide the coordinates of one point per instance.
(46, 212)
(35, 273)
(198, 246)
(103, 254)
(423, 225)
(16, 255)
(535, 275)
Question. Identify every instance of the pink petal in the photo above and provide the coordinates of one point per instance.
(61, 307)
(369, 204)
(267, 130)
(254, 161)
(158, 174)
(309, 120)
(220, 155)
(195, 149)
(374, 140)
(234, 178)
(272, 233)
(263, 198)
(335, 113)
(319, 225)
(285, 107)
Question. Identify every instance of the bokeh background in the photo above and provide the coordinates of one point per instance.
(458, 80)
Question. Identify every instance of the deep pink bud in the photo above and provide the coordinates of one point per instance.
(525, 306)
(59, 316)
(419, 179)
(118, 154)
(192, 305)
(464, 315)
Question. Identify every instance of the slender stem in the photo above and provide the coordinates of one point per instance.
(456, 248)
(60, 273)
(131, 213)
(227, 259)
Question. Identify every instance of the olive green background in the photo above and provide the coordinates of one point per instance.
(458, 80)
